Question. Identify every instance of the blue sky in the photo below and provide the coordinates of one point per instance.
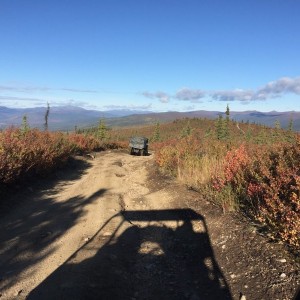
(157, 55)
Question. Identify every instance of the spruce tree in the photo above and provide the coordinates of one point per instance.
(25, 126)
(156, 134)
(47, 116)
(220, 127)
(291, 125)
(102, 130)
(187, 130)
(226, 127)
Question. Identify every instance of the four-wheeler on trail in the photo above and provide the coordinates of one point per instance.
(138, 145)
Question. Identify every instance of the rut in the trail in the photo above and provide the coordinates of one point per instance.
(112, 228)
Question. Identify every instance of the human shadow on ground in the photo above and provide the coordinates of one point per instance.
(37, 222)
(148, 260)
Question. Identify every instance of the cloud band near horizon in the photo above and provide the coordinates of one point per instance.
(31, 89)
(273, 89)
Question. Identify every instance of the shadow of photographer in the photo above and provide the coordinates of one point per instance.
(165, 254)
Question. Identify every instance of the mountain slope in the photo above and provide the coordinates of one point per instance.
(268, 118)
(60, 117)
(67, 117)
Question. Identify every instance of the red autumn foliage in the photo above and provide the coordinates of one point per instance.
(24, 153)
(264, 178)
(266, 181)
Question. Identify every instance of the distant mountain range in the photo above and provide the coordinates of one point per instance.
(60, 117)
(67, 117)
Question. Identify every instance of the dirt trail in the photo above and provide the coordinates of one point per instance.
(113, 228)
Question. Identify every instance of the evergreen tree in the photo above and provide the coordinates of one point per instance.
(291, 125)
(102, 130)
(227, 113)
(187, 130)
(25, 127)
(249, 133)
(226, 127)
(277, 125)
(262, 137)
(208, 132)
(276, 131)
(220, 127)
(47, 116)
(290, 137)
(156, 134)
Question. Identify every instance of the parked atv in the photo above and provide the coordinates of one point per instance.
(138, 146)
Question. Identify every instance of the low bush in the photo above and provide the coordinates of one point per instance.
(29, 152)
(262, 181)
(265, 181)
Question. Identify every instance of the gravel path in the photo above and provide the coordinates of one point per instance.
(113, 228)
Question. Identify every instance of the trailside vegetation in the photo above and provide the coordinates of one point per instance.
(25, 152)
(242, 167)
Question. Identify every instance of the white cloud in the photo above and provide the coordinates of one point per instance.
(32, 89)
(272, 89)
(9, 98)
(191, 95)
(70, 102)
(233, 95)
(161, 96)
(281, 86)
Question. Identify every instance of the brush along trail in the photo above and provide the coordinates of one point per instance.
(113, 227)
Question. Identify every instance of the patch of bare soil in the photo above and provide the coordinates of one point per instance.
(115, 228)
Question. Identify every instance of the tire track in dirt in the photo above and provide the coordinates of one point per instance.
(122, 231)
(47, 228)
